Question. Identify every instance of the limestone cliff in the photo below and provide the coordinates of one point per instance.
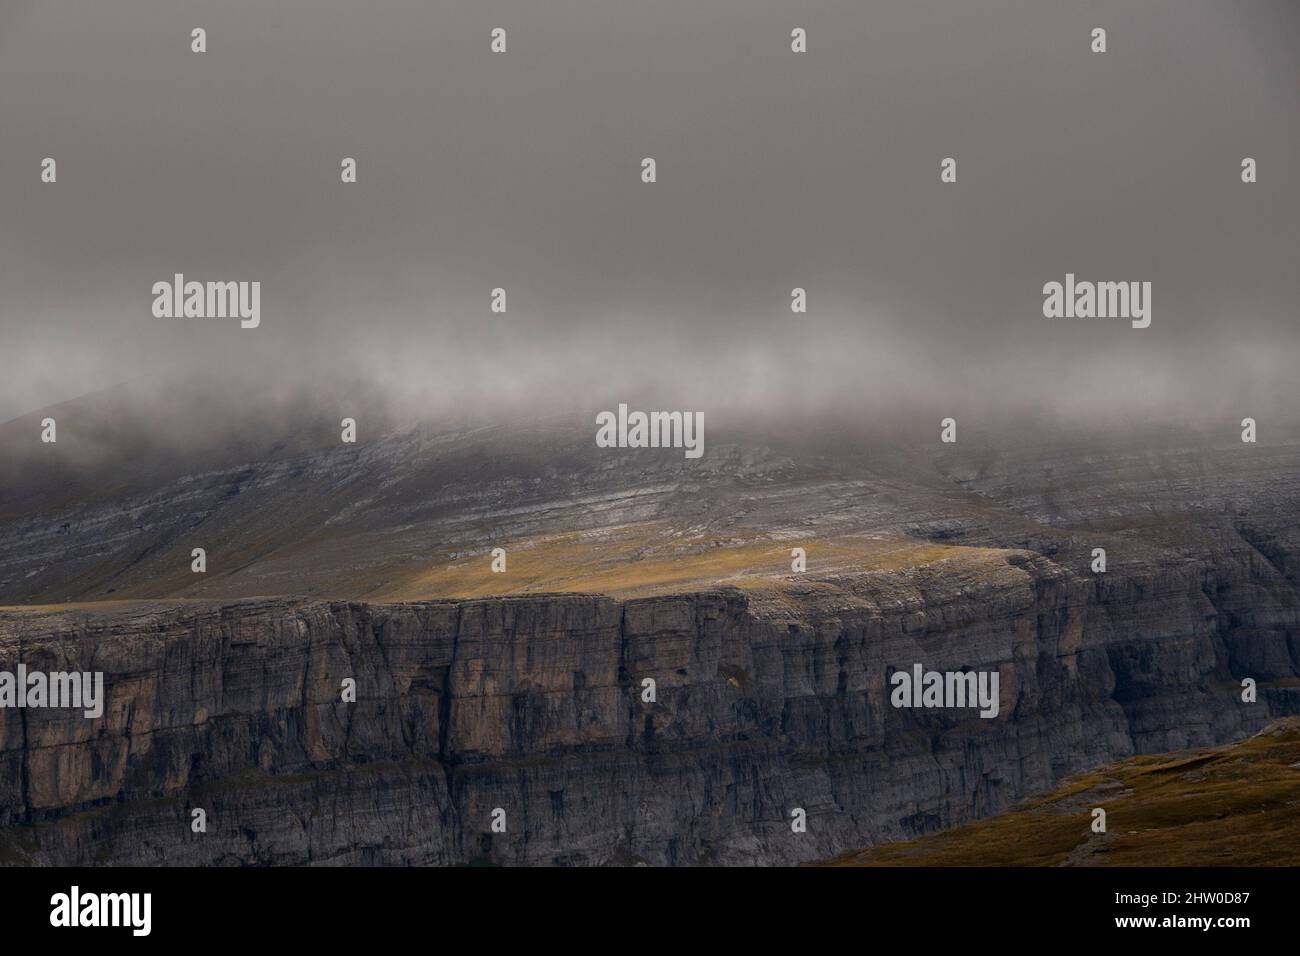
(767, 700)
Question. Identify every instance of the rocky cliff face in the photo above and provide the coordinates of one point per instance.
(770, 694)
(766, 700)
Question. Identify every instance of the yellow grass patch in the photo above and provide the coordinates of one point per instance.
(639, 560)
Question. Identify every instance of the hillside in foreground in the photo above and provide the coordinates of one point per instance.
(1237, 805)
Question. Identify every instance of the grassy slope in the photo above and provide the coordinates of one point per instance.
(640, 560)
(1237, 805)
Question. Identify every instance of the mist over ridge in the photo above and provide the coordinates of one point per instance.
(776, 172)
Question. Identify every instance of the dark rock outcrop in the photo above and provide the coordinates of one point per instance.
(766, 701)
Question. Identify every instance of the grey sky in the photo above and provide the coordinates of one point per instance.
(775, 170)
